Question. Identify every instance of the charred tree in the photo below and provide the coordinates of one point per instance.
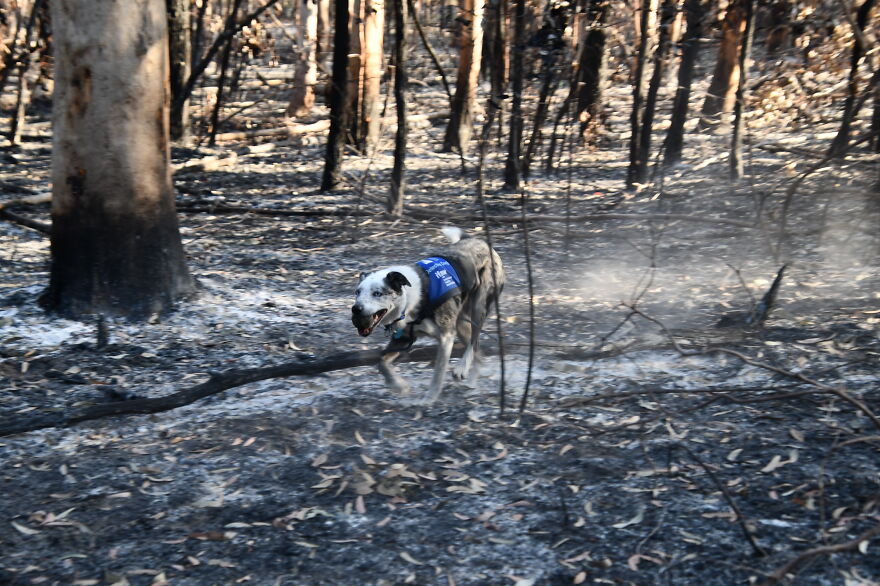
(737, 167)
(305, 75)
(401, 81)
(221, 79)
(115, 242)
(339, 102)
(26, 59)
(591, 69)
(841, 141)
(325, 46)
(690, 45)
(635, 118)
(180, 54)
(550, 45)
(461, 116)
(721, 94)
(667, 16)
(495, 54)
(512, 166)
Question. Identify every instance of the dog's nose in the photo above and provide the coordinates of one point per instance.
(357, 308)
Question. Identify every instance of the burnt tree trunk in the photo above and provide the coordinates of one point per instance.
(590, 78)
(841, 141)
(667, 16)
(221, 79)
(461, 116)
(635, 117)
(737, 167)
(115, 242)
(512, 166)
(305, 76)
(339, 102)
(690, 45)
(325, 46)
(398, 172)
(180, 54)
(721, 94)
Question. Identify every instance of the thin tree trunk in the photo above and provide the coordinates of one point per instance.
(721, 94)
(548, 87)
(737, 166)
(355, 72)
(401, 81)
(325, 47)
(875, 119)
(841, 141)
(667, 15)
(339, 103)
(672, 147)
(512, 167)
(180, 52)
(460, 127)
(116, 246)
(221, 80)
(371, 59)
(306, 74)
(635, 118)
(418, 25)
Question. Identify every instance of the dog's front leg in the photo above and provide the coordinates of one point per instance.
(445, 342)
(392, 379)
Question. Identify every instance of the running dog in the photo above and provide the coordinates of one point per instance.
(438, 296)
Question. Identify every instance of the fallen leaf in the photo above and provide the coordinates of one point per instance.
(410, 559)
(634, 521)
(23, 529)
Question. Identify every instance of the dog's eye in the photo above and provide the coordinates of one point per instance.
(377, 294)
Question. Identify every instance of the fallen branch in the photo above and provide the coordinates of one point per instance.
(428, 214)
(780, 574)
(217, 383)
(16, 218)
(27, 201)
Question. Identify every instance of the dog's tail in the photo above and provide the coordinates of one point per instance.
(452, 233)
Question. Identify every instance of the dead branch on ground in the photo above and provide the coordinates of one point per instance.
(217, 383)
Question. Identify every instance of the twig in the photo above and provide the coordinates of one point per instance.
(759, 551)
(415, 18)
(531, 283)
(779, 574)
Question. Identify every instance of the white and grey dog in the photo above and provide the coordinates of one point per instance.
(445, 293)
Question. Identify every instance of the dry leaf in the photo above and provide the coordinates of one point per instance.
(580, 578)
(732, 456)
(23, 529)
(796, 434)
(634, 521)
(408, 558)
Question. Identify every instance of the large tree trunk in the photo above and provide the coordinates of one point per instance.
(690, 46)
(721, 94)
(371, 70)
(306, 75)
(116, 246)
(460, 128)
(180, 53)
(339, 102)
(398, 172)
(355, 70)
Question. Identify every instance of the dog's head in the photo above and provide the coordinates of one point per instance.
(378, 300)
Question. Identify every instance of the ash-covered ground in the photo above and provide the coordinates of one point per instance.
(655, 447)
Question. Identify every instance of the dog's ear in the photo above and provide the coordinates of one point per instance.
(362, 277)
(396, 281)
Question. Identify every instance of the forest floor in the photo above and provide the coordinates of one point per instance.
(625, 466)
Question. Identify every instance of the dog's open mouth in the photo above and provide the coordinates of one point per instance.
(374, 320)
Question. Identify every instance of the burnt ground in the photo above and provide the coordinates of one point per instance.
(624, 467)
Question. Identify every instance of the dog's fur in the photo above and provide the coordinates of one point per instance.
(396, 297)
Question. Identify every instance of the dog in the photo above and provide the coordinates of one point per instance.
(448, 292)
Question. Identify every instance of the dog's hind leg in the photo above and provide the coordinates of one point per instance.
(386, 367)
(445, 341)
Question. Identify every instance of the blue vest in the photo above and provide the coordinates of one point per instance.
(443, 281)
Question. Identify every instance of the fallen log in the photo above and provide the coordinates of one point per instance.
(217, 383)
